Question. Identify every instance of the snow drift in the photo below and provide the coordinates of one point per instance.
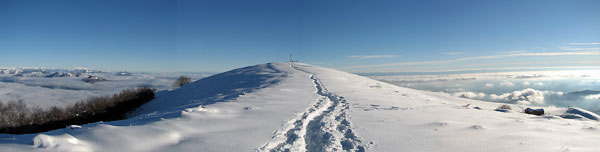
(300, 107)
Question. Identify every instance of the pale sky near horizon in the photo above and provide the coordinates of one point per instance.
(353, 36)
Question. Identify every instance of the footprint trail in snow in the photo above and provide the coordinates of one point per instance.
(324, 126)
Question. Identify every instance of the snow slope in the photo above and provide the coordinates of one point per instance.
(300, 107)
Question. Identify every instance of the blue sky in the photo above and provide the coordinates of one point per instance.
(354, 36)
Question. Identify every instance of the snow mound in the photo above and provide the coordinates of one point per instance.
(64, 142)
(217, 88)
(577, 113)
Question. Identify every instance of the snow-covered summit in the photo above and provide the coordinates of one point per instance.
(300, 107)
(93, 79)
(64, 74)
(83, 70)
(123, 73)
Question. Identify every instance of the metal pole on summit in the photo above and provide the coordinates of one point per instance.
(291, 61)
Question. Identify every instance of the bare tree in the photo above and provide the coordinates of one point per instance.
(181, 81)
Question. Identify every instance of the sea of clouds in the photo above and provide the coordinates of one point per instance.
(578, 88)
(63, 91)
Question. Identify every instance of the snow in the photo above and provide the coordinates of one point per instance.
(300, 107)
(583, 113)
(64, 142)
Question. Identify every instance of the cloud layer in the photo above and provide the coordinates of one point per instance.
(372, 56)
(578, 88)
(452, 53)
(62, 91)
(587, 43)
(569, 52)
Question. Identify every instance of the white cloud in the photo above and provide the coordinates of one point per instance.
(372, 56)
(489, 85)
(525, 83)
(589, 43)
(538, 84)
(524, 97)
(470, 95)
(556, 53)
(577, 48)
(557, 93)
(513, 52)
(437, 62)
(452, 53)
(506, 83)
(596, 96)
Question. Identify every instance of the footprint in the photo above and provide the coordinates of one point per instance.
(477, 127)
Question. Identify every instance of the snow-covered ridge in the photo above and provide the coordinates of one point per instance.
(48, 72)
(300, 107)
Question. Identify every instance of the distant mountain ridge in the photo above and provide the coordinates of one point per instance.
(47, 72)
(584, 92)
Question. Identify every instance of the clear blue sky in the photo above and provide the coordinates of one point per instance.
(354, 36)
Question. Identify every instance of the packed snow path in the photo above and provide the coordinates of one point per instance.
(324, 126)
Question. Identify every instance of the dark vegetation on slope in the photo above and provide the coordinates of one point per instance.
(17, 118)
(181, 81)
